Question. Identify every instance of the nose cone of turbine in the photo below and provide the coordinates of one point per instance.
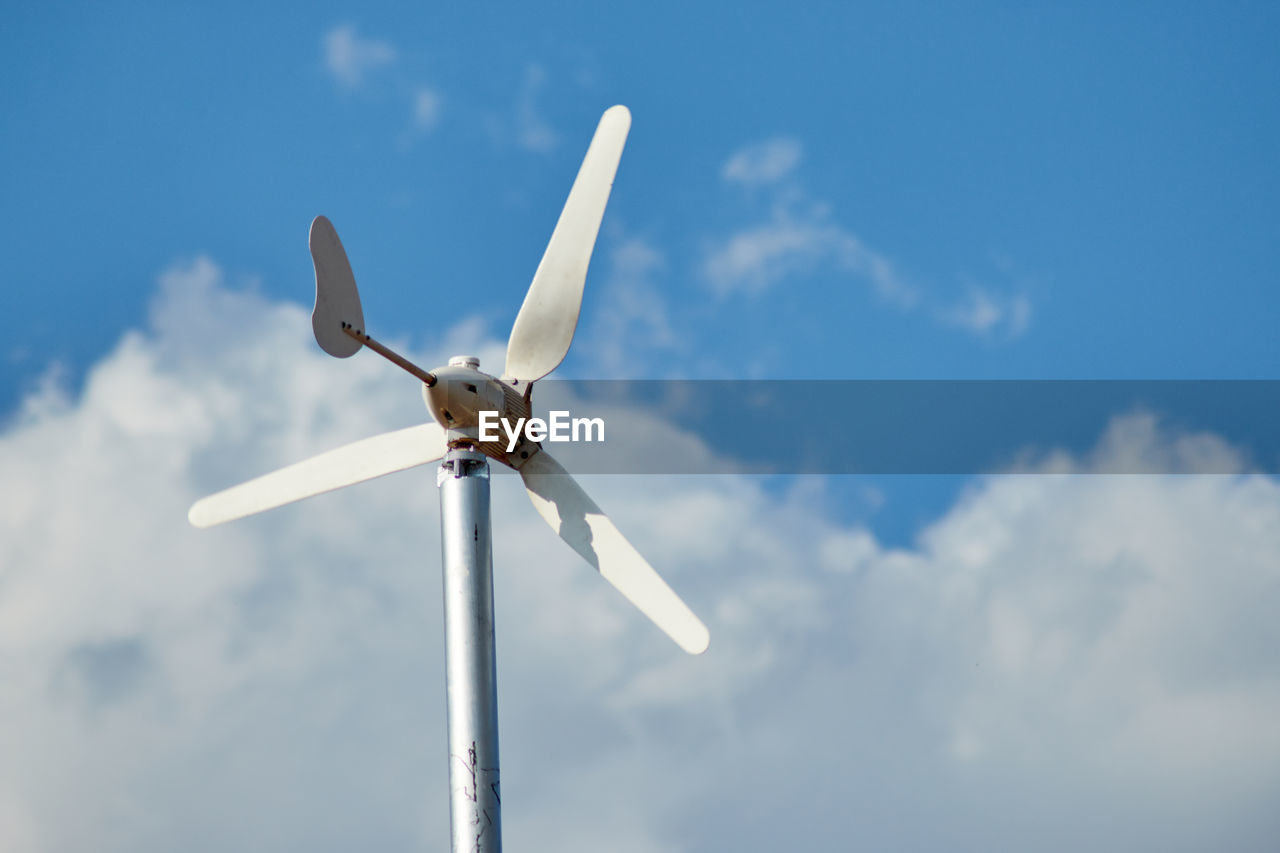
(461, 392)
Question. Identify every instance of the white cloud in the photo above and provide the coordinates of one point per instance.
(763, 163)
(427, 104)
(350, 57)
(757, 258)
(799, 237)
(532, 129)
(984, 312)
(1060, 662)
(630, 325)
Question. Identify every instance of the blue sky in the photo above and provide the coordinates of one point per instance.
(833, 191)
(1114, 170)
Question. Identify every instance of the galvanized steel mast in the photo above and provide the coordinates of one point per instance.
(470, 663)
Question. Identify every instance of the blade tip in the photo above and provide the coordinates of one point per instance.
(196, 515)
(698, 643)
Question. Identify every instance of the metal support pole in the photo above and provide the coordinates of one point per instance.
(470, 669)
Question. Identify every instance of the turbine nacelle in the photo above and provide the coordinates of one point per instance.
(461, 392)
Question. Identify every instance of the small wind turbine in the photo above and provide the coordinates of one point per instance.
(455, 395)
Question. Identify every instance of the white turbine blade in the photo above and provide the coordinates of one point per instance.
(544, 327)
(352, 463)
(565, 506)
(337, 300)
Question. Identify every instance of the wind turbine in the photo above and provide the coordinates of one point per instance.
(455, 395)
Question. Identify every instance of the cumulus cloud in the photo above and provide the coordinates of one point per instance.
(350, 57)
(1059, 662)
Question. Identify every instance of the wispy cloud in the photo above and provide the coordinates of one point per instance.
(353, 59)
(427, 103)
(350, 57)
(763, 163)
(756, 258)
(632, 323)
(532, 129)
(800, 236)
(986, 313)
